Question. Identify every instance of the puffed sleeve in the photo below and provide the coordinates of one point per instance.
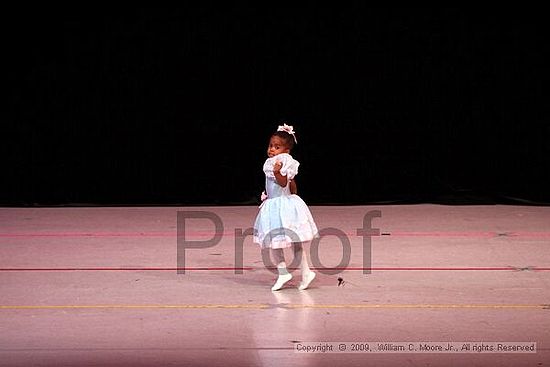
(290, 166)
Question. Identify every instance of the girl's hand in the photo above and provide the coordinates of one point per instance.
(277, 167)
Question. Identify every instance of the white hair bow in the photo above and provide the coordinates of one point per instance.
(289, 129)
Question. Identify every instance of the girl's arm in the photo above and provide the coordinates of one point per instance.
(281, 180)
(293, 187)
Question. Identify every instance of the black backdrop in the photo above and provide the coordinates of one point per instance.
(175, 106)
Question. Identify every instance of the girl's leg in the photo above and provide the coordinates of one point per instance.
(299, 253)
(284, 275)
(307, 274)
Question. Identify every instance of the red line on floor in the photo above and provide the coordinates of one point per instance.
(209, 234)
(533, 268)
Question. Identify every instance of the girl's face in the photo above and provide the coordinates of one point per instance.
(276, 146)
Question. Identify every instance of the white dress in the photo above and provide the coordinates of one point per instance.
(283, 217)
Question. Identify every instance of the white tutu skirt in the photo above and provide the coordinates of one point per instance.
(283, 220)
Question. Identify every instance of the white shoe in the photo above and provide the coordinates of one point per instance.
(307, 280)
(281, 280)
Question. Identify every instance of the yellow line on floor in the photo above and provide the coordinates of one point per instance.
(131, 306)
(287, 306)
(421, 306)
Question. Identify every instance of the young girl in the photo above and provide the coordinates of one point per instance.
(284, 220)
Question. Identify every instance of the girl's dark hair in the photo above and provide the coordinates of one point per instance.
(287, 138)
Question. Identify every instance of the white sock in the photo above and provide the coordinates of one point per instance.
(284, 276)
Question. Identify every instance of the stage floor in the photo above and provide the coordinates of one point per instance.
(100, 286)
